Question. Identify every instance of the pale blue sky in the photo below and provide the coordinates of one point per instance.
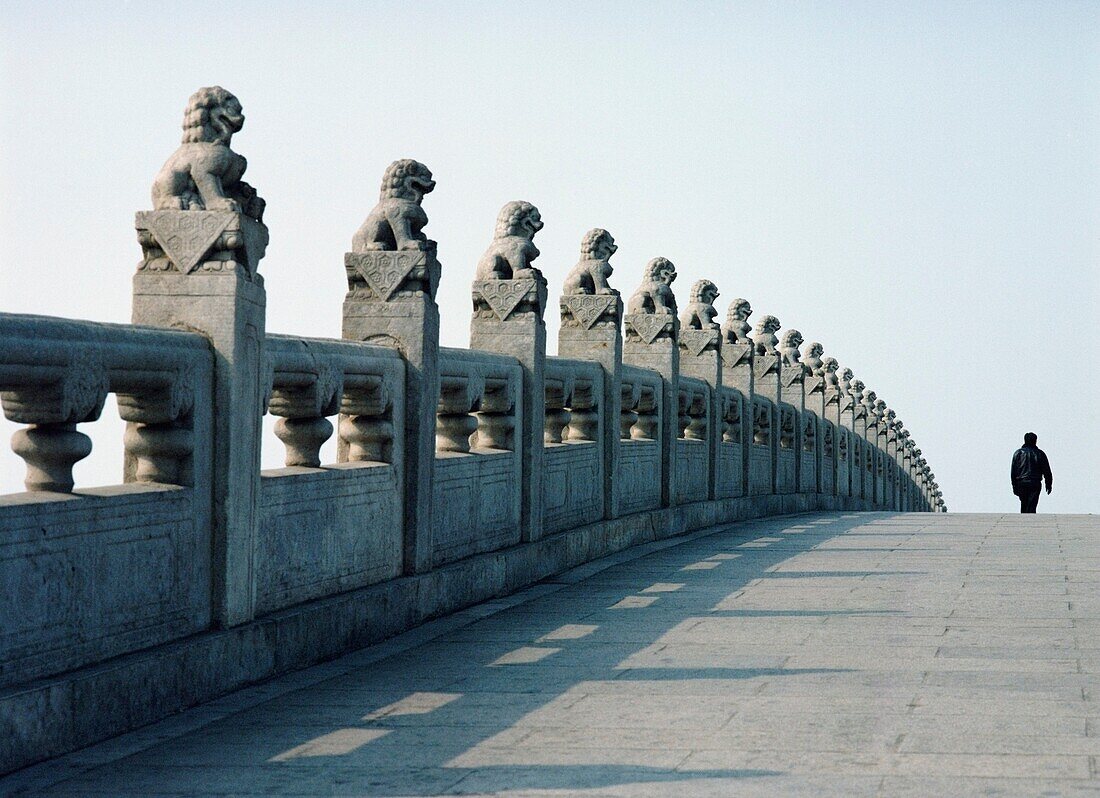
(916, 186)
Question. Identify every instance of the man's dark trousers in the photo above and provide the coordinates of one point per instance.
(1029, 496)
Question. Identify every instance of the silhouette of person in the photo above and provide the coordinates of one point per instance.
(1030, 469)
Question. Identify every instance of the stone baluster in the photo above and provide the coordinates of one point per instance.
(302, 406)
(459, 398)
(496, 421)
(648, 425)
(732, 418)
(160, 434)
(694, 415)
(367, 428)
(52, 445)
(557, 417)
(631, 395)
(584, 414)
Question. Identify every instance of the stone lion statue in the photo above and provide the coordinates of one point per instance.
(396, 221)
(655, 295)
(829, 367)
(204, 174)
(856, 390)
(510, 255)
(812, 359)
(590, 274)
(792, 339)
(699, 313)
(869, 398)
(737, 328)
(764, 338)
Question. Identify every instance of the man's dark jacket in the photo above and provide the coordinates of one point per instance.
(1029, 468)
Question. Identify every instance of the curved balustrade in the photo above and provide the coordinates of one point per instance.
(461, 474)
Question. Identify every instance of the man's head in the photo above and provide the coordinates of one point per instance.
(1030, 439)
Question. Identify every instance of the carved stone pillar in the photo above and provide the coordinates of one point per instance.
(508, 320)
(832, 401)
(824, 447)
(199, 274)
(700, 357)
(893, 500)
(393, 274)
(651, 332)
(851, 418)
(509, 296)
(591, 312)
(793, 435)
(766, 386)
(872, 484)
(736, 355)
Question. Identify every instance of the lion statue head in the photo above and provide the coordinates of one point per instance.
(768, 325)
(518, 218)
(598, 244)
(703, 291)
(739, 310)
(659, 270)
(213, 115)
(792, 339)
(406, 179)
(830, 364)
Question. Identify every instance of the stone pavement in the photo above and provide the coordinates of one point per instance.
(830, 654)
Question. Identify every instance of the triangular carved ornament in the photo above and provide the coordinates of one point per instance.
(649, 325)
(503, 296)
(586, 309)
(697, 340)
(186, 236)
(385, 271)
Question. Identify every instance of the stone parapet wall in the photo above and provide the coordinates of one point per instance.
(460, 474)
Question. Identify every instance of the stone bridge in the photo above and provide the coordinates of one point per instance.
(462, 475)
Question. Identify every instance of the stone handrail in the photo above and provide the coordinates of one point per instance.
(56, 373)
(461, 474)
(314, 378)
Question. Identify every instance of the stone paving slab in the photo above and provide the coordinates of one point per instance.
(827, 654)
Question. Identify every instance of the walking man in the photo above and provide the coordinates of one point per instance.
(1029, 470)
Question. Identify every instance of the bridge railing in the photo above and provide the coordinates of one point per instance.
(326, 529)
(89, 575)
(460, 474)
